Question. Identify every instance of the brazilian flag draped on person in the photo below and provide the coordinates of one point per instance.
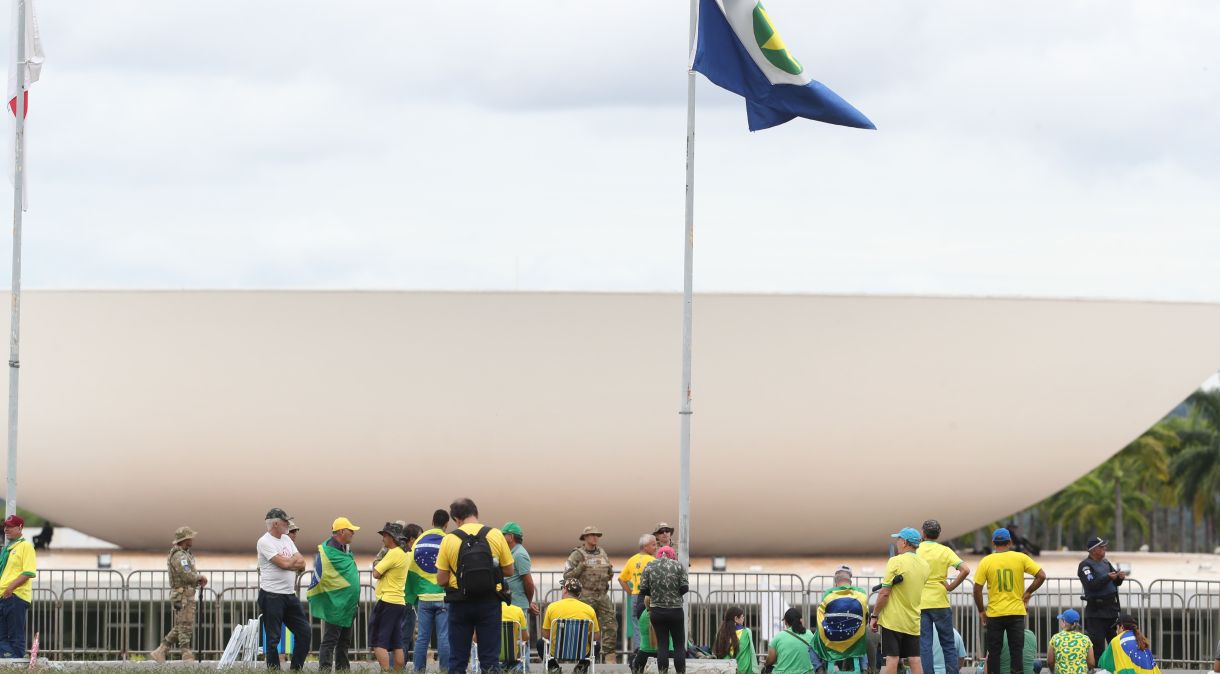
(334, 592)
(841, 624)
(1124, 656)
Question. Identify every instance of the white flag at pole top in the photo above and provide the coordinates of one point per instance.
(30, 65)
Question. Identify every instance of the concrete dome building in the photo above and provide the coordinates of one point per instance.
(821, 423)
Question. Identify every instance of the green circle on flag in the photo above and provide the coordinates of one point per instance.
(772, 45)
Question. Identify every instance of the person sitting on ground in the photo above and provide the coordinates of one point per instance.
(938, 653)
(1029, 662)
(734, 640)
(788, 651)
(1070, 650)
(568, 608)
(1129, 651)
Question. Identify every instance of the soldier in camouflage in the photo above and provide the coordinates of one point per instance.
(184, 580)
(591, 566)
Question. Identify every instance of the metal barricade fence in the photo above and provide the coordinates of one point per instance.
(104, 614)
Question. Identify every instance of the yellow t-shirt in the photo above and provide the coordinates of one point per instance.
(514, 614)
(939, 559)
(901, 612)
(570, 608)
(393, 570)
(1004, 574)
(446, 559)
(21, 560)
(632, 570)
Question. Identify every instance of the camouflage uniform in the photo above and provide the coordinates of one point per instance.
(184, 582)
(594, 572)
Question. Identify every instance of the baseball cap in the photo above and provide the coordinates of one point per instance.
(590, 530)
(1001, 535)
(277, 514)
(1126, 619)
(909, 535)
(343, 523)
(662, 526)
(14, 521)
(1069, 616)
(293, 526)
(844, 569)
(512, 528)
(1097, 541)
(572, 586)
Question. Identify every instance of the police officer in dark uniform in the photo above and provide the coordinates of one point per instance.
(1100, 580)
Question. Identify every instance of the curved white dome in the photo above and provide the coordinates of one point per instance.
(821, 423)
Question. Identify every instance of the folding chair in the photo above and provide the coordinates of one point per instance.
(571, 641)
(514, 652)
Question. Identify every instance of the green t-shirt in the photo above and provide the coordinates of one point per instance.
(1028, 651)
(646, 644)
(792, 652)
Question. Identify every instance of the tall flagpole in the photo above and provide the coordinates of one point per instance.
(688, 268)
(14, 343)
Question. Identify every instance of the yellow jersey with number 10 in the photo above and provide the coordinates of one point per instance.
(1004, 575)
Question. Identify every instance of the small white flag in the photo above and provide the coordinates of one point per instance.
(29, 65)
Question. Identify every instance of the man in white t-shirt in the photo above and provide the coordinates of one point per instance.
(279, 562)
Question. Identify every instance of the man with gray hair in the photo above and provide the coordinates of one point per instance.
(629, 580)
(279, 562)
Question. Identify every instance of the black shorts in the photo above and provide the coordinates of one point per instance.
(385, 625)
(899, 644)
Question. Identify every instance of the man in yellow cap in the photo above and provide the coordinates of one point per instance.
(590, 564)
(184, 580)
(334, 594)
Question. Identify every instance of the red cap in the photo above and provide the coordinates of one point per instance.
(14, 521)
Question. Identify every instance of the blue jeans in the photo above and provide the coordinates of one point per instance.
(432, 616)
(12, 626)
(467, 618)
(942, 620)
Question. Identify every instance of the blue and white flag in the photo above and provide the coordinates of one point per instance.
(739, 49)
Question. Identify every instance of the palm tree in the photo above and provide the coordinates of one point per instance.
(1196, 466)
(1144, 466)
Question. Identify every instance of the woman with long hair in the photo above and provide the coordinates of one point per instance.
(734, 640)
(1129, 650)
(788, 651)
(1070, 650)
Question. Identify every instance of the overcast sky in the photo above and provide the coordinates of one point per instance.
(1043, 149)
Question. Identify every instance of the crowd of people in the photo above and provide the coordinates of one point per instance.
(459, 581)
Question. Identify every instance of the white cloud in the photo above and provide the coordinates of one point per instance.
(1059, 148)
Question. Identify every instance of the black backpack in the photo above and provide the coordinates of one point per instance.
(477, 573)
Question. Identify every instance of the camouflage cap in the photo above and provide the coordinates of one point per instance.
(293, 526)
(590, 531)
(277, 514)
(184, 533)
(662, 526)
(572, 586)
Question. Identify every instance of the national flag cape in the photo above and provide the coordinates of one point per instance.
(841, 625)
(421, 572)
(738, 48)
(335, 589)
(1123, 656)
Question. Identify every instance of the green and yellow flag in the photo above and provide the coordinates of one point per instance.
(335, 590)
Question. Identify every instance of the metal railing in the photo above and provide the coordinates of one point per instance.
(103, 614)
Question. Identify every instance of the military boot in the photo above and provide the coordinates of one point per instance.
(160, 653)
(187, 655)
